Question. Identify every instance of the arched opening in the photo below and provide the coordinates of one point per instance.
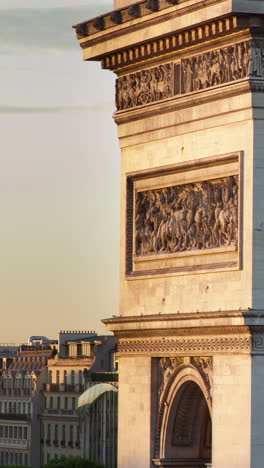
(188, 434)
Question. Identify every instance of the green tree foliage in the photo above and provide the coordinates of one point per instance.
(73, 462)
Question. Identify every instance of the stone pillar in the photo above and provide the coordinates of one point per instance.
(134, 412)
(232, 411)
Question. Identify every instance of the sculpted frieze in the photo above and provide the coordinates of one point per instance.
(195, 216)
(145, 87)
(235, 62)
(222, 344)
(217, 67)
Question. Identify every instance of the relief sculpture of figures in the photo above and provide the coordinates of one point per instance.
(144, 87)
(200, 215)
(242, 60)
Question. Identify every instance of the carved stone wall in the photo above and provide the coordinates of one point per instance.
(145, 87)
(194, 216)
(235, 62)
(191, 345)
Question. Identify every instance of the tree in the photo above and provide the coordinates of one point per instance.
(73, 462)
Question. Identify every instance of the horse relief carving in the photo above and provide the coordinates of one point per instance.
(235, 62)
(195, 216)
(144, 87)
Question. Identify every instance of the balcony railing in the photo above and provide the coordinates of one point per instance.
(14, 443)
(70, 388)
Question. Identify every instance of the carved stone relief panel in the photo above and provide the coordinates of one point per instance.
(145, 87)
(228, 64)
(195, 216)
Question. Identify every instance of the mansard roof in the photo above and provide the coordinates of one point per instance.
(28, 363)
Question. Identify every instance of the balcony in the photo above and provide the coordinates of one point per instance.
(60, 412)
(14, 417)
(14, 443)
(65, 388)
(15, 392)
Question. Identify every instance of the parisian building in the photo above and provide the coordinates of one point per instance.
(62, 433)
(39, 390)
(21, 384)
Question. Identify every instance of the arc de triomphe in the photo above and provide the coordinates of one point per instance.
(190, 109)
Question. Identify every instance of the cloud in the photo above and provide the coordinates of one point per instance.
(43, 28)
(36, 4)
(56, 109)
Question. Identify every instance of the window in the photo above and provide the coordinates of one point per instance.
(10, 435)
(25, 433)
(15, 432)
(51, 402)
(56, 432)
(71, 433)
(57, 377)
(58, 402)
(1, 432)
(20, 433)
(80, 377)
(72, 377)
(24, 407)
(73, 403)
(50, 376)
(63, 432)
(29, 408)
(6, 432)
(66, 402)
(19, 408)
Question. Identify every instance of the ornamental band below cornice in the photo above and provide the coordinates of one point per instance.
(210, 69)
(222, 344)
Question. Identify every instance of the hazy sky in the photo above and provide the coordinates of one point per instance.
(59, 187)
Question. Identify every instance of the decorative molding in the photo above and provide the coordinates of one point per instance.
(171, 43)
(208, 70)
(185, 101)
(258, 343)
(202, 345)
(204, 365)
(195, 369)
(137, 10)
(183, 332)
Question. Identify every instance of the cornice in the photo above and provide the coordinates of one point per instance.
(243, 313)
(146, 13)
(121, 60)
(184, 332)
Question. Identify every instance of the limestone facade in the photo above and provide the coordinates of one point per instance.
(189, 95)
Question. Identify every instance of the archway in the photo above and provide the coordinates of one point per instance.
(185, 435)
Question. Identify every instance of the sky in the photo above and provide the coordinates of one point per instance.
(59, 178)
